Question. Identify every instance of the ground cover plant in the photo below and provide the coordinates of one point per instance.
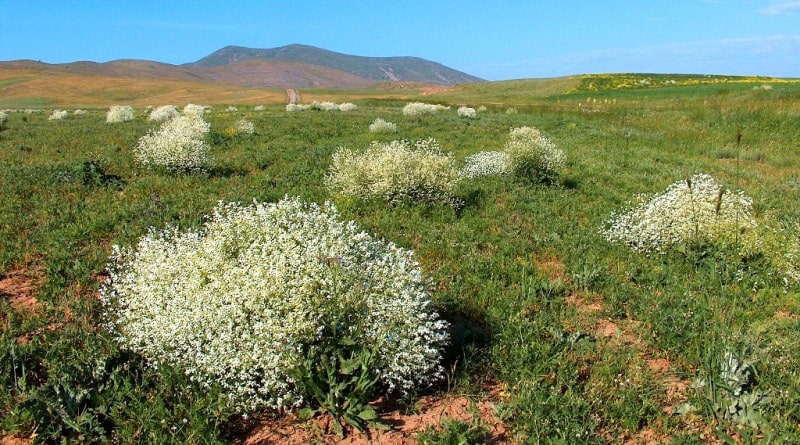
(571, 337)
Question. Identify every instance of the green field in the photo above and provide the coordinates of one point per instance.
(572, 338)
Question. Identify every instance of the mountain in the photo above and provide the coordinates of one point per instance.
(376, 69)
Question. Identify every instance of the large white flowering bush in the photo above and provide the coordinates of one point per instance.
(179, 145)
(347, 106)
(240, 301)
(396, 171)
(485, 163)
(381, 126)
(120, 113)
(691, 210)
(163, 113)
(418, 108)
(533, 155)
(467, 112)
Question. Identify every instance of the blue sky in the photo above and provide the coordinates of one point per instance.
(493, 39)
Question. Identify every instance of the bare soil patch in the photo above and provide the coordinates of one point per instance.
(20, 289)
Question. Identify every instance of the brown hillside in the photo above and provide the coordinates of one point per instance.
(281, 74)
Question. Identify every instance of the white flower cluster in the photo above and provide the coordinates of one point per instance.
(693, 209)
(179, 145)
(321, 106)
(232, 109)
(119, 113)
(79, 112)
(381, 126)
(532, 154)
(397, 171)
(297, 107)
(194, 110)
(259, 108)
(57, 115)
(485, 163)
(347, 106)
(163, 113)
(467, 112)
(3, 117)
(239, 301)
(244, 126)
(418, 108)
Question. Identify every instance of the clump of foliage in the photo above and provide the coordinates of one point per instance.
(485, 163)
(245, 127)
(179, 145)
(194, 110)
(57, 115)
(381, 126)
(297, 107)
(347, 106)
(3, 120)
(120, 113)
(532, 155)
(455, 432)
(262, 295)
(419, 108)
(466, 112)
(693, 210)
(397, 172)
(163, 113)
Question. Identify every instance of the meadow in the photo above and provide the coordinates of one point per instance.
(572, 338)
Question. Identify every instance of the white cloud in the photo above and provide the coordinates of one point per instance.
(784, 8)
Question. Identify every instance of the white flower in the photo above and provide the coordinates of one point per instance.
(485, 163)
(239, 301)
(532, 154)
(119, 113)
(244, 126)
(194, 110)
(418, 108)
(163, 113)
(347, 106)
(58, 115)
(297, 107)
(466, 112)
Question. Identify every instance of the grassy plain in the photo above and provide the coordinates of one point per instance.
(575, 340)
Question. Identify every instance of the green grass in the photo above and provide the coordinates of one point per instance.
(508, 267)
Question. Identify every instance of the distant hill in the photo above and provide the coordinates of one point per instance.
(377, 69)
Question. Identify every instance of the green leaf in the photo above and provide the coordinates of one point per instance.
(368, 413)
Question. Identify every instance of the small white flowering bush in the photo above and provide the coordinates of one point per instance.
(347, 106)
(194, 110)
(57, 115)
(179, 145)
(3, 119)
(485, 163)
(163, 113)
(232, 109)
(466, 112)
(397, 171)
(419, 108)
(297, 107)
(79, 112)
(242, 301)
(691, 210)
(532, 155)
(244, 126)
(511, 111)
(381, 126)
(119, 113)
(324, 106)
(259, 108)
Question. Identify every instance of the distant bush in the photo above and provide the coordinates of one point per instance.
(381, 126)
(398, 171)
(297, 107)
(347, 106)
(532, 155)
(244, 126)
(511, 111)
(466, 112)
(58, 115)
(485, 163)
(693, 210)
(3, 119)
(262, 292)
(324, 106)
(120, 113)
(163, 113)
(179, 145)
(482, 109)
(194, 110)
(79, 112)
(259, 108)
(232, 109)
(418, 108)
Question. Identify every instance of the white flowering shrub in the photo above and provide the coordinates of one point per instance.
(397, 171)
(259, 108)
(120, 113)
(381, 126)
(3, 118)
(297, 107)
(347, 106)
(532, 155)
(244, 126)
(511, 111)
(57, 115)
(482, 109)
(419, 108)
(485, 163)
(241, 300)
(194, 110)
(79, 112)
(695, 209)
(163, 113)
(232, 109)
(179, 145)
(466, 112)
(324, 106)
